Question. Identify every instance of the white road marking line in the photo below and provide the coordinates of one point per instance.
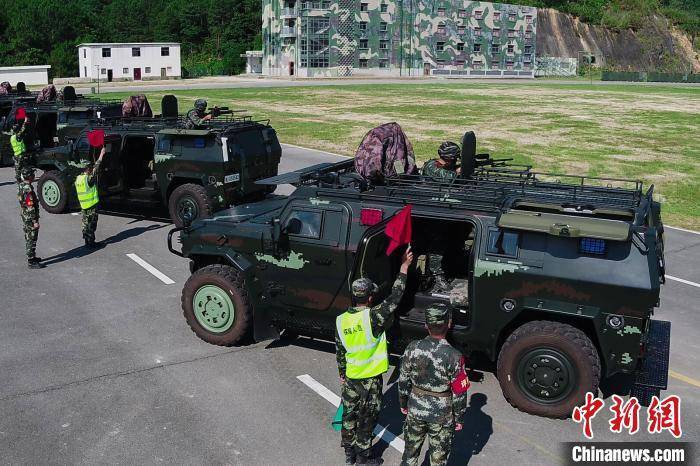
(687, 282)
(75, 213)
(380, 431)
(683, 229)
(316, 150)
(154, 271)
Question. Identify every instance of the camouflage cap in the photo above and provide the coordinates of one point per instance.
(438, 314)
(27, 173)
(449, 151)
(363, 287)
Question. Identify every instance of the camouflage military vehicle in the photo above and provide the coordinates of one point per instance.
(154, 162)
(554, 281)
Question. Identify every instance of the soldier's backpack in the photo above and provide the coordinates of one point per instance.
(136, 106)
(384, 152)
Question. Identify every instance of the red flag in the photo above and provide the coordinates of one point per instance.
(96, 138)
(20, 114)
(399, 230)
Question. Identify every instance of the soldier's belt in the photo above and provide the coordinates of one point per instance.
(420, 391)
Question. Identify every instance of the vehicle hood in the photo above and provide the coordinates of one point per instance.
(255, 210)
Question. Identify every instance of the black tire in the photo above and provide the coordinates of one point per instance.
(55, 184)
(569, 366)
(228, 280)
(188, 201)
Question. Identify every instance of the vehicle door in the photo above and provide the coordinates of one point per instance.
(111, 178)
(311, 265)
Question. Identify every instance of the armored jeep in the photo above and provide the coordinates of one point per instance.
(556, 277)
(155, 162)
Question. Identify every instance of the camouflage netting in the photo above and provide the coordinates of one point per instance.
(5, 88)
(47, 94)
(136, 106)
(385, 151)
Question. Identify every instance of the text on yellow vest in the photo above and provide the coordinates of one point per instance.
(18, 147)
(366, 355)
(87, 195)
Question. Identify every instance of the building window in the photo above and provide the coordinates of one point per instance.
(384, 7)
(511, 16)
(477, 32)
(103, 71)
(477, 64)
(440, 46)
(84, 53)
(364, 7)
(477, 48)
(528, 34)
(528, 19)
(382, 26)
(125, 70)
(165, 51)
(85, 71)
(460, 46)
(510, 48)
(526, 67)
(496, 15)
(528, 58)
(478, 14)
(364, 43)
(460, 29)
(383, 63)
(509, 66)
(462, 13)
(106, 52)
(314, 50)
(363, 26)
(511, 33)
(148, 70)
(441, 12)
(495, 48)
(528, 49)
(441, 28)
(383, 45)
(496, 32)
(364, 63)
(495, 64)
(135, 52)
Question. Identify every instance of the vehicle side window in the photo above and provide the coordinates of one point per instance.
(164, 145)
(307, 223)
(83, 145)
(503, 243)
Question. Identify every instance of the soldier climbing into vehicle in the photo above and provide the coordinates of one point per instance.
(20, 152)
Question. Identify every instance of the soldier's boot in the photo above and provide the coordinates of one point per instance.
(350, 455)
(440, 284)
(367, 457)
(35, 259)
(34, 264)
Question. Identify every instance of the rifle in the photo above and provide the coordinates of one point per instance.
(218, 111)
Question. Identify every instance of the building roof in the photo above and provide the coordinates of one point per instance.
(29, 67)
(130, 44)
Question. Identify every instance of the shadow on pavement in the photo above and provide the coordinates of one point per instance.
(7, 183)
(82, 251)
(478, 427)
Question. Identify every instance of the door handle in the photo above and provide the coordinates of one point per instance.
(324, 261)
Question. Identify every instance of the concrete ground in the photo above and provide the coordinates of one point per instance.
(247, 81)
(99, 367)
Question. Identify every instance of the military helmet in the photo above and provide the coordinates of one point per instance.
(27, 173)
(363, 288)
(438, 314)
(200, 104)
(449, 151)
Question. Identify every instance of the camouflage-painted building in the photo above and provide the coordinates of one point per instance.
(325, 38)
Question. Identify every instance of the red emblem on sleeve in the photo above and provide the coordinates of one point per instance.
(461, 384)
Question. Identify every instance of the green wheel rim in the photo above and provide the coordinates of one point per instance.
(546, 375)
(51, 193)
(213, 309)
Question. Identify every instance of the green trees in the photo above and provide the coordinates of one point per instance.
(213, 33)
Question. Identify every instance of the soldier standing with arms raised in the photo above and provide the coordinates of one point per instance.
(19, 148)
(432, 390)
(361, 351)
(29, 209)
(86, 188)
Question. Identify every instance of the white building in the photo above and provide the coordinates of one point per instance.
(129, 61)
(29, 75)
(253, 61)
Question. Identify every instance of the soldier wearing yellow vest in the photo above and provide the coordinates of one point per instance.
(19, 148)
(86, 188)
(361, 351)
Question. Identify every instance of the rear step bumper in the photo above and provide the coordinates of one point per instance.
(652, 375)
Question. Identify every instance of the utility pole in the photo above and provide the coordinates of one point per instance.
(97, 70)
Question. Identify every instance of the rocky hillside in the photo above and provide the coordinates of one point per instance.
(655, 46)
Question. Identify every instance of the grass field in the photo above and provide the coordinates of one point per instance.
(631, 131)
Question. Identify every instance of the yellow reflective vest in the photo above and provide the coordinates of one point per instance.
(18, 147)
(87, 195)
(366, 356)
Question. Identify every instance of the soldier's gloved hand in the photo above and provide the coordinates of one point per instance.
(36, 225)
(342, 381)
(458, 427)
(406, 260)
(404, 411)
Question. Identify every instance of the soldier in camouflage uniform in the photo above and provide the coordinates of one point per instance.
(198, 115)
(90, 216)
(20, 152)
(432, 390)
(362, 396)
(29, 208)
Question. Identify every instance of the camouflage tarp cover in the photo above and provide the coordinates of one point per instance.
(47, 94)
(385, 151)
(5, 88)
(136, 106)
